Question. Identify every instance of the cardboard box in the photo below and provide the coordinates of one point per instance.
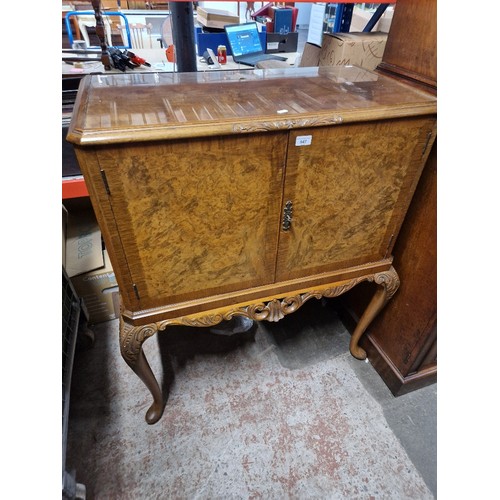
(214, 18)
(310, 55)
(358, 49)
(82, 242)
(99, 291)
(360, 18)
(276, 42)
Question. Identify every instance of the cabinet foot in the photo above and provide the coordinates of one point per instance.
(388, 283)
(131, 340)
(133, 337)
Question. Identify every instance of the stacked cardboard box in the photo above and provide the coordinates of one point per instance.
(341, 49)
(214, 18)
(87, 263)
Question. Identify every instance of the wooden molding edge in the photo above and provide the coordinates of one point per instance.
(389, 373)
(411, 77)
(397, 383)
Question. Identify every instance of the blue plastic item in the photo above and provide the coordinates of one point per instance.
(92, 13)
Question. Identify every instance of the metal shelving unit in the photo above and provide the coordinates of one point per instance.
(74, 321)
(338, 16)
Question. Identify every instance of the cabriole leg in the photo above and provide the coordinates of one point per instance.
(131, 340)
(388, 283)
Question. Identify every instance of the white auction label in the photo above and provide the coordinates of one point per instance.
(303, 140)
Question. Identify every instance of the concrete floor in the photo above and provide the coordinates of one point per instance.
(280, 412)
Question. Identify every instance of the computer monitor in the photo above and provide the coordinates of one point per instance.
(244, 39)
(246, 47)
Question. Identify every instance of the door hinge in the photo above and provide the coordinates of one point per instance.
(388, 246)
(105, 181)
(136, 291)
(429, 135)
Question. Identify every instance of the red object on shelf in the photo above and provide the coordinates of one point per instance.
(74, 188)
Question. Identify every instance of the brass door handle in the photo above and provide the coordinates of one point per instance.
(287, 216)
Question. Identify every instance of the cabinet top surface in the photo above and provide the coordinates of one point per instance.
(152, 106)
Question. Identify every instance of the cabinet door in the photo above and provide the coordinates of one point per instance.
(197, 217)
(350, 187)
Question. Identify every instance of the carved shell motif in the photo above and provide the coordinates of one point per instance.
(131, 338)
(390, 280)
(287, 124)
(273, 310)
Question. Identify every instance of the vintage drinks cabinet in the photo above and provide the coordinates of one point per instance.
(247, 193)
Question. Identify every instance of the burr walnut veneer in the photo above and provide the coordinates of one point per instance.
(225, 193)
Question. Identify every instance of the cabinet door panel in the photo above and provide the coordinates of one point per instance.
(350, 187)
(197, 217)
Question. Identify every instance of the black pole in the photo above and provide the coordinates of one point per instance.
(183, 35)
(376, 16)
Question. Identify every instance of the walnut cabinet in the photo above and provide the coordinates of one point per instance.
(247, 193)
